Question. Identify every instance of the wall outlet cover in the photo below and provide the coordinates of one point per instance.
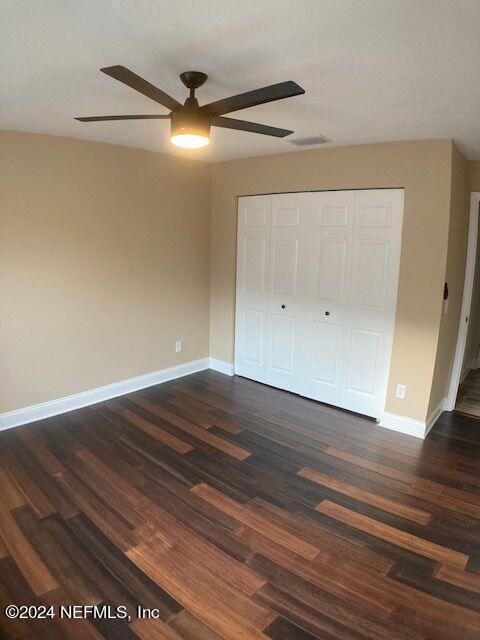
(400, 391)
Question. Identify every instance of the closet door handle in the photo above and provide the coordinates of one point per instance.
(327, 313)
(284, 306)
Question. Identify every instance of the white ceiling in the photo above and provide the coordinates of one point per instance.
(373, 70)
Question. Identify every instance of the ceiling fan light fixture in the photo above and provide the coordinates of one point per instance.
(189, 140)
(189, 129)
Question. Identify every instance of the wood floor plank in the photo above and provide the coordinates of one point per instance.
(57, 560)
(203, 594)
(198, 521)
(414, 481)
(402, 510)
(191, 628)
(30, 564)
(317, 574)
(105, 559)
(256, 522)
(29, 489)
(42, 479)
(194, 430)
(193, 546)
(371, 465)
(103, 472)
(448, 621)
(323, 539)
(282, 628)
(21, 593)
(14, 627)
(156, 432)
(99, 513)
(79, 629)
(321, 614)
(40, 452)
(10, 494)
(3, 548)
(95, 435)
(463, 579)
(226, 425)
(392, 535)
(153, 629)
(446, 501)
(214, 418)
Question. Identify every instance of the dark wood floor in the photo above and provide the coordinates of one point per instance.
(240, 512)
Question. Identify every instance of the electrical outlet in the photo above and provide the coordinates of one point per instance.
(401, 391)
(178, 346)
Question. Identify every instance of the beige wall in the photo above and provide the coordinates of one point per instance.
(473, 176)
(424, 168)
(455, 277)
(104, 263)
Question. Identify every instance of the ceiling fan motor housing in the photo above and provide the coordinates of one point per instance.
(189, 121)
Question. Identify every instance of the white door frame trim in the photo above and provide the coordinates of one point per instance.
(466, 301)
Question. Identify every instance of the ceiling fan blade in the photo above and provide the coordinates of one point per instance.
(122, 74)
(243, 125)
(252, 98)
(133, 117)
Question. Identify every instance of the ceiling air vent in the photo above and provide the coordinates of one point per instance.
(309, 142)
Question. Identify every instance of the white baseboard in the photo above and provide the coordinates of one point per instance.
(410, 426)
(85, 398)
(403, 424)
(221, 366)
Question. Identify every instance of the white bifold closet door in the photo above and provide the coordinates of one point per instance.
(317, 277)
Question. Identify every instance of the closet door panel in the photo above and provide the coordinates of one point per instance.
(282, 343)
(254, 267)
(331, 261)
(326, 349)
(284, 266)
(286, 323)
(253, 336)
(329, 218)
(253, 247)
(374, 279)
(362, 356)
(371, 274)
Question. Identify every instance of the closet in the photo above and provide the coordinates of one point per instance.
(317, 277)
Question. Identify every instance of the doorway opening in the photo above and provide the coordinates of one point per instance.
(464, 392)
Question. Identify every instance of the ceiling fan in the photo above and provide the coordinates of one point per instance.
(189, 122)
